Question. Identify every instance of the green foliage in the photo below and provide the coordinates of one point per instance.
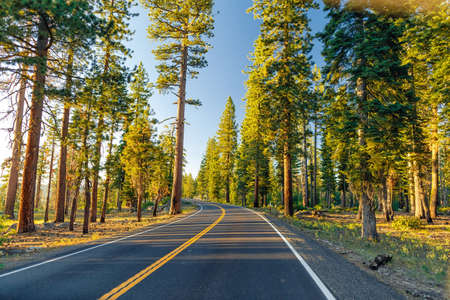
(406, 223)
(178, 25)
(227, 142)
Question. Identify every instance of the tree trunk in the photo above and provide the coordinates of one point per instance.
(61, 185)
(155, 207)
(87, 194)
(314, 191)
(389, 196)
(87, 204)
(49, 187)
(105, 200)
(287, 175)
(73, 211)
(175, 201)
(67, 198)
(38, 190)
(411, 194)
(359, 214)
(305, 168)
(26, 215)
(369, 225)
(118, 199)
(13, 180)
(418, 210)
(227, 190)
(139, 206)
(108, 176)
(434, 164)
(369, 228)
(343, 198)
(256, 191)
(98, 149)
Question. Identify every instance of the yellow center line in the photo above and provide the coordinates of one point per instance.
(131, 282)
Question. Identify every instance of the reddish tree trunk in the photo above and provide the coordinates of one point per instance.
(287, 182)
(256, 191)
(62, 168)
(139, 206)
(434, 164)
(175, 201)
(49, 187)
(13, 180)
(98, 149)
(26, 215)
(73, 211)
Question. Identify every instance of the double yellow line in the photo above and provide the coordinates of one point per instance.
(130, 283)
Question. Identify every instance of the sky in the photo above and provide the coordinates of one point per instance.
(234, 34)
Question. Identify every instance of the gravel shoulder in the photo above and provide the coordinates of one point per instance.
(345, 279)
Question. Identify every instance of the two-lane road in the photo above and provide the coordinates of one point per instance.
(220, 252)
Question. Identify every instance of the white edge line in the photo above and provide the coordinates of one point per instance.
(326, 292)
(98, 246)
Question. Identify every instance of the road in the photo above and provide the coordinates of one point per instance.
(220, 252)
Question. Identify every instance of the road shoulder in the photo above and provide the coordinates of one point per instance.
(345, 279)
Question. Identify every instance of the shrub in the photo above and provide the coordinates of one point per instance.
(444, 210)
(406, 223)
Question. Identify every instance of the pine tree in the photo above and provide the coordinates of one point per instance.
(370, 71)
(181, 26)
(138, 156)
(227, 143)
(285, 42)
(117, 14)
(50, 22)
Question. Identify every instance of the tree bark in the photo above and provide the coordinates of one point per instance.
(73, 211)
(87, 194)
(108, 177)
(38, 190)
(434, 164)
(227, 190)
(314, 191)
(389, 196)
(87, 197)
(256, 191)
(26, 215)
(369, 228)
(287, 174)
(305, 168)
(411, 194)
(98, 149)
(139, 206)
(118, 199)
(67, 198)
(62, 168)
(13, 180)
(175, 201)
(49, 187)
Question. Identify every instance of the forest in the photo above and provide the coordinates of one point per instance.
(368, 131)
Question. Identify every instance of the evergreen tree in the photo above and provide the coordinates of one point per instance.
(373, 75)
(227, 143)
(181, 26)
(283, 47)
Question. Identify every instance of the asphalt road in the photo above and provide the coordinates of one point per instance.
(220, 252)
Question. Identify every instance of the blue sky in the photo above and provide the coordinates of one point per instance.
(235, 31)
